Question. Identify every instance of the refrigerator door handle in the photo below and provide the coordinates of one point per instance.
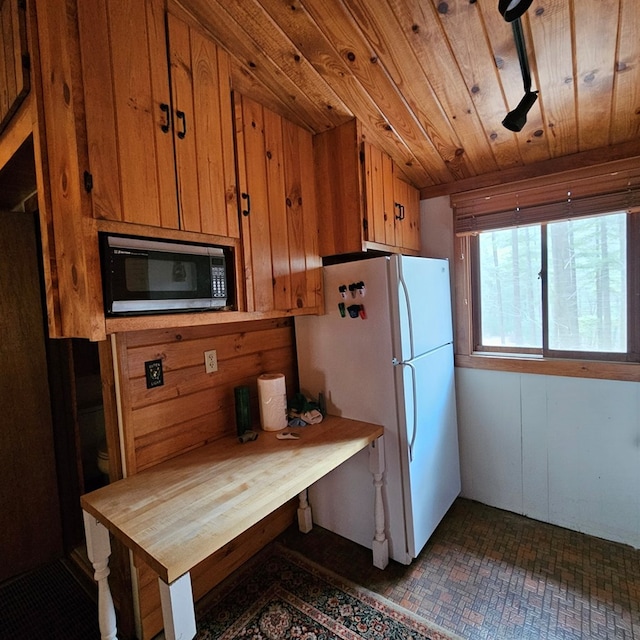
(407, 299)
(414, 430)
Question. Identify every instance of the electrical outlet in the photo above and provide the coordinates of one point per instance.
(210, 361)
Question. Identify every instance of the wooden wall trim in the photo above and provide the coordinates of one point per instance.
(503, 178)
(628, 372)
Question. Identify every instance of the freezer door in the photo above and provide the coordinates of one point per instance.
(429, 444)
(421, 304)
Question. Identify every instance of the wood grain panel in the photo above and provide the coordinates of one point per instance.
(15, 81)
(301, 218)
(77, 260)
(193, 407)
(399, 32)
(274, 157)
(322, 107)
(596, 21)
(255, 224)
(625, 117)
(554, 65)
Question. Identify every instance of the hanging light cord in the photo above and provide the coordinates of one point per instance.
(521, 48)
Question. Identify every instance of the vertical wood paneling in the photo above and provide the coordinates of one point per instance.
(595, 21)
(344, 201)
(301, 217)
(193, 407)
(14, 75)
(554, 69)
(255, 226)
(141, 84)
(274, 156)
(625, 117)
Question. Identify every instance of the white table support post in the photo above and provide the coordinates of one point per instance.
(178, 614)
(380, 545)
(99, 550)
(305, 520)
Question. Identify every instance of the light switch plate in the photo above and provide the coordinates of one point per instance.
(153, 373)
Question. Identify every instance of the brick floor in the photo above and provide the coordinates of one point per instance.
(488, 574)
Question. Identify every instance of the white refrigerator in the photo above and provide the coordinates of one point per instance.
(383, 353)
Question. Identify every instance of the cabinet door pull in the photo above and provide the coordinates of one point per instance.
(247, 211)
(181, 116)
(164, 107)
(400, 208)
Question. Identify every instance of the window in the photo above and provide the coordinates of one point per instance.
(556, 289)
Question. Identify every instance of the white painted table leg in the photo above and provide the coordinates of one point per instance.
(99, 550)
(380, 545)
(305, 521)
(178, 613)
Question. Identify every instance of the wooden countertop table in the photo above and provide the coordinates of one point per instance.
(178, 513)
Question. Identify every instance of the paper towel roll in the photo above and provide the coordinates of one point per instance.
(272, 397)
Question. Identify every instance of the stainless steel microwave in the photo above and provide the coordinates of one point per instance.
(143, 276)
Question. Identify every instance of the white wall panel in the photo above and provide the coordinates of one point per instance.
(535, 446)
(490, 437)
(571, 445)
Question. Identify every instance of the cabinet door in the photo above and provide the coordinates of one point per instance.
(279, 219)
(203, 132)
(379, 196)
(407, 218)
(126, 90)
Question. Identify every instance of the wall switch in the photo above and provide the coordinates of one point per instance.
(153, 373)
(210, 361)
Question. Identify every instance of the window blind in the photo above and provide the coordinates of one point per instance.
(603, 189)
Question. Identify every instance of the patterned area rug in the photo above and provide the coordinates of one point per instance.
(281, 595)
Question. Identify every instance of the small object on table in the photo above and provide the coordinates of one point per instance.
(288, 435)
(247, 436)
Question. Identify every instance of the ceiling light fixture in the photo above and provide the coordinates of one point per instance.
(511, 11)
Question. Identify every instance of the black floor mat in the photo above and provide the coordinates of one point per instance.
(49, 604)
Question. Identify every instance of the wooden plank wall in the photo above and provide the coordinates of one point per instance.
(193, 408)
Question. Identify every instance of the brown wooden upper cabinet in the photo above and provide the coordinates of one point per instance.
(14, 70)
(363, 202)
(278, 210)
(159, 119)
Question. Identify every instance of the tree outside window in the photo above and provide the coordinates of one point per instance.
(554, 289)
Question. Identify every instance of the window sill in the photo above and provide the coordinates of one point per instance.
(551, 367)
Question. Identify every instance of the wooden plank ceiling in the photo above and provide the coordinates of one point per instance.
(433, 79)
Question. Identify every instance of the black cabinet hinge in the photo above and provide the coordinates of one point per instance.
(88, 182)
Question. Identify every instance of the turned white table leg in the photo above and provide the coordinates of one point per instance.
(99, 550)
(178, 613)
(305, 521)
(380, 545)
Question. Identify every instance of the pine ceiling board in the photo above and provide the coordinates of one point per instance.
(550, 27)
(464, 29)
(363, 61)
(396, 37)
(626, 100)
(321, 108)
(595, 21)
(313, 44)
(244, 81)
